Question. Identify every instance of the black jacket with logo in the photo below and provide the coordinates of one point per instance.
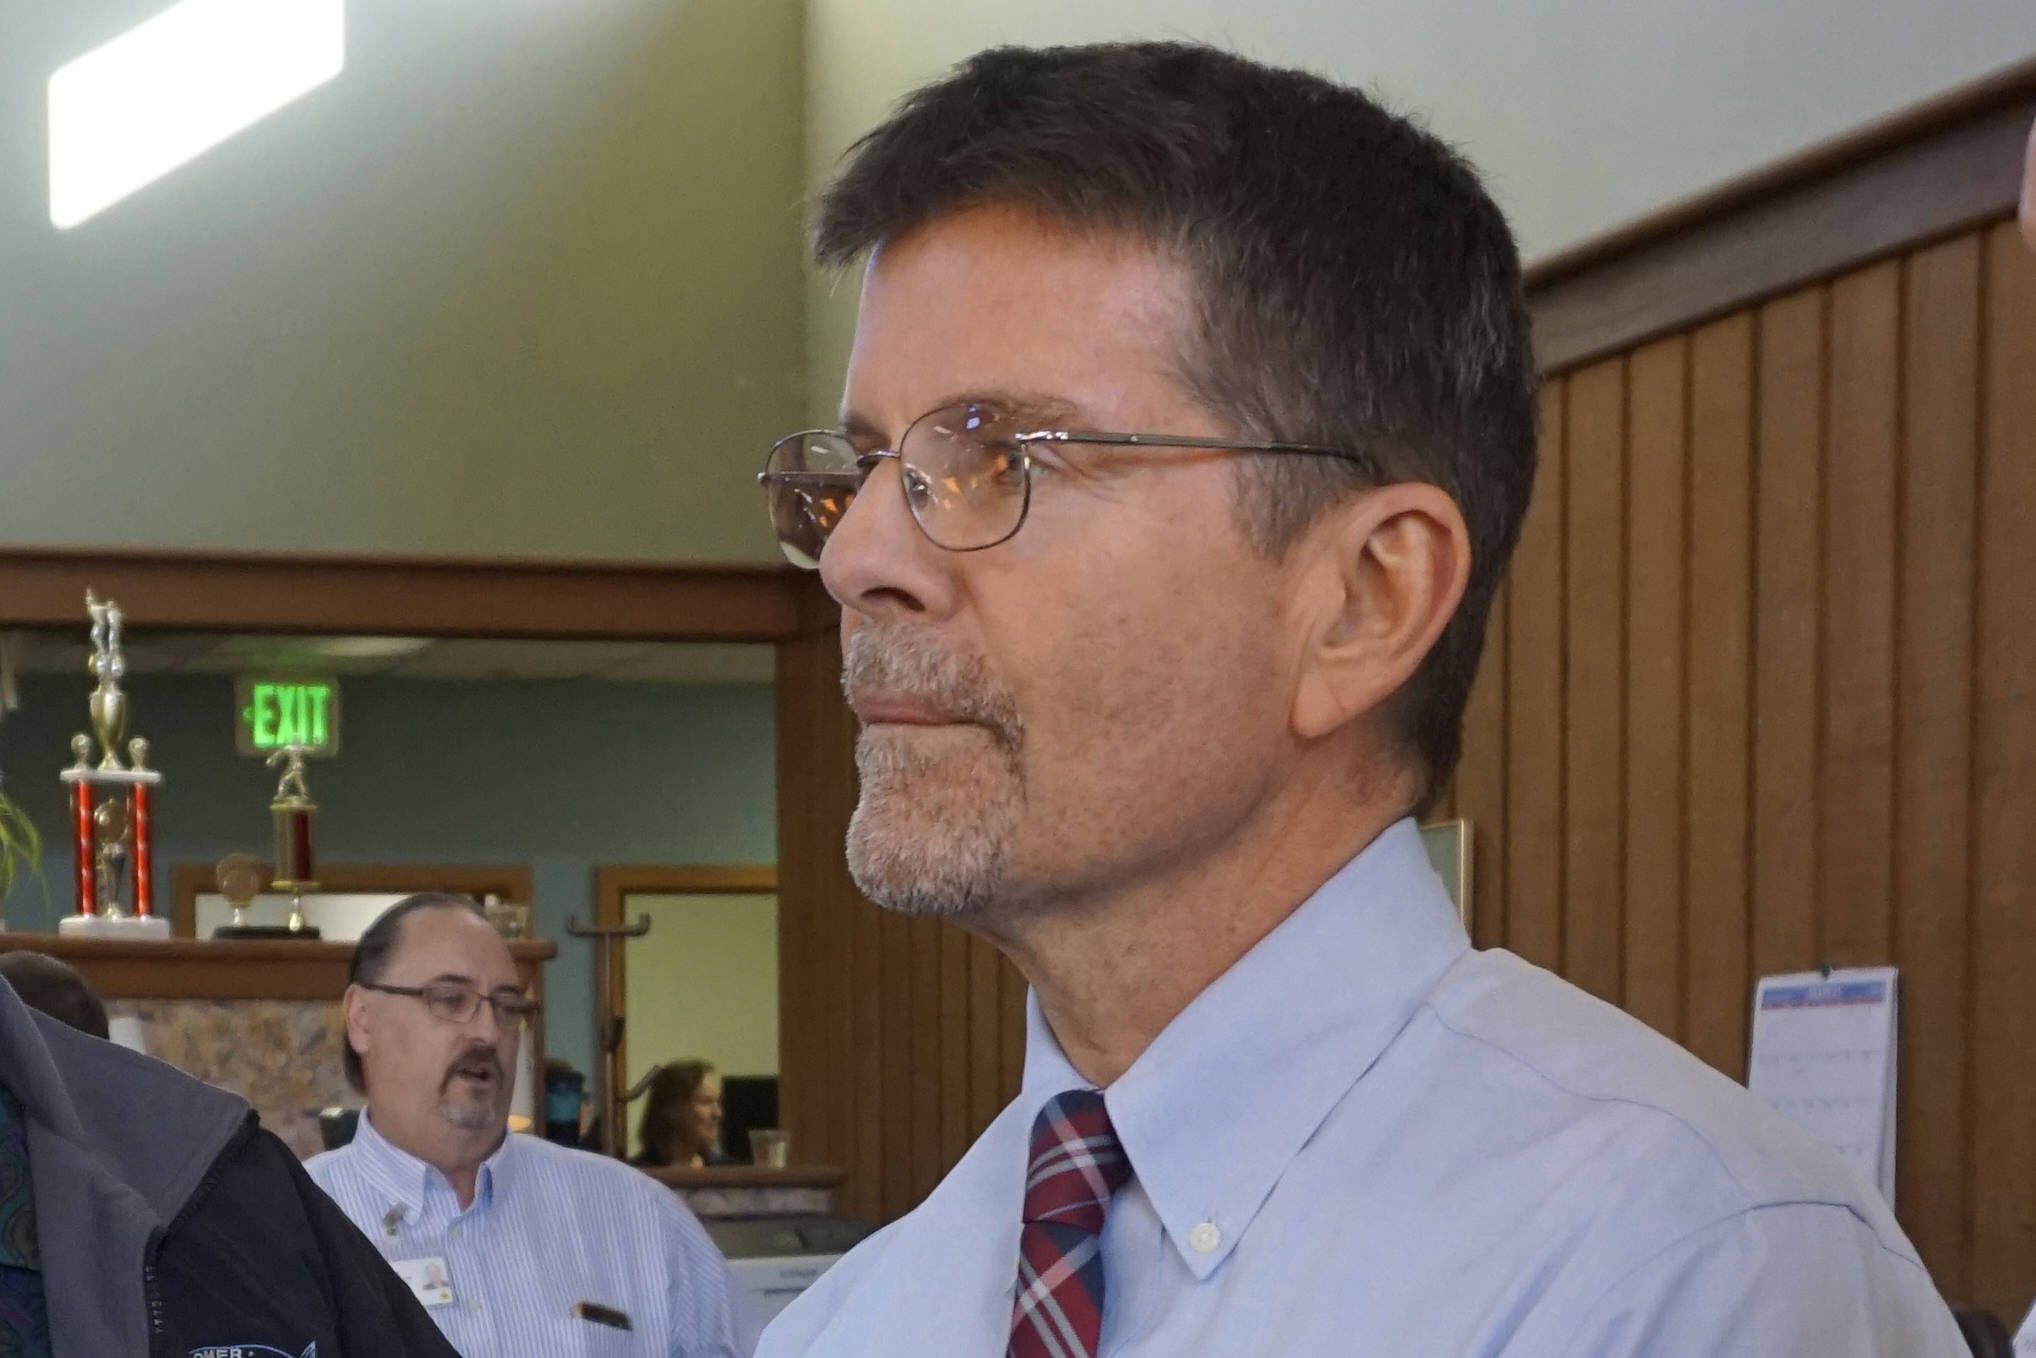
(172, 1225)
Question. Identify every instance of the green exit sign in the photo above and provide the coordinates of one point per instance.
(274, 713)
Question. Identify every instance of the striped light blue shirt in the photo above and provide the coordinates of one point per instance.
(1367, 1138)
(548, 1228)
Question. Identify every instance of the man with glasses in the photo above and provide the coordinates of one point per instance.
(1189, 423)
(515, 1246)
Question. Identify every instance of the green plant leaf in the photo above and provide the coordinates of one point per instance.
(20, 846)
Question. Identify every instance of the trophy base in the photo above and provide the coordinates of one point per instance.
(231, 931)
(114, 926)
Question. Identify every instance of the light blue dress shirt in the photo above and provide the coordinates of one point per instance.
(1366, 1138)
(548, 1228)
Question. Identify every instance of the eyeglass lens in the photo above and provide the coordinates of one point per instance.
(964, 479)
(458, 1004)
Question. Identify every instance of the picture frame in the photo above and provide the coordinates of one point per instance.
(1449, 844)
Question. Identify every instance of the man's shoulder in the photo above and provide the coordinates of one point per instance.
(586, 1172)
(326, 1165)
(1579, 1059)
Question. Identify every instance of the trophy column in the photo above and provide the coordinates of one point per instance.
(295, 817)
(112, 804)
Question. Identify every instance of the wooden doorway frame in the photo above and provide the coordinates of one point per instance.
(411, 595)
(611, 886)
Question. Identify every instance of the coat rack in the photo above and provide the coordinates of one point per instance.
(609, 940)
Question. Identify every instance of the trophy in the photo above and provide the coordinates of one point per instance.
(112, 804)
(295, 816)
(240, 881)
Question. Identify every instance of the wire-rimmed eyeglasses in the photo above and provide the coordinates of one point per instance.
(455, 1003)
(965, 470)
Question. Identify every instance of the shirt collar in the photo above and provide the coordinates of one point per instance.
(1213, 1112)
(405, 1182)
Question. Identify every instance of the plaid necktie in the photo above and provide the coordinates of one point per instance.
(1076, 1166)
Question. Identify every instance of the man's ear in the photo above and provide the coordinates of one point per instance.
(1381, 578)
(353, 1007)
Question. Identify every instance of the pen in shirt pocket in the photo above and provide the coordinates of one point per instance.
(602, 1315)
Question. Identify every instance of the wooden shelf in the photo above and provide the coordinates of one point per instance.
(208, 969)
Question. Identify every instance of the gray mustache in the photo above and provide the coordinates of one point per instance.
(480, 1056)
(882, 659)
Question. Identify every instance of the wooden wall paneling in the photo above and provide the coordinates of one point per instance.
(2001, 1154)
(816, 907)
(867, 1123)
(929, 1013)
(901, 1037)
(1856, 782)
(957, 1128)
(898, 1008)
(1719, 675)
(1481, 782)
(1787, 603)
(1011, 1016)
(1857, 702)
(1593, 796)
(1657, 545)
(1534, 708)
(1925, 174)
(799, 1024)
(1933, 750)
(986, 1032)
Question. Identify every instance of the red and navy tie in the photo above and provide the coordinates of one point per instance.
(1076, 1165)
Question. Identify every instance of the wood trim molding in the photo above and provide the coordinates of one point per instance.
(428, 596)
(510, 881)
(251, 969)
(1937, 169)
(611, 884)
(745, 1176)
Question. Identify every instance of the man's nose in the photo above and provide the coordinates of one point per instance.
(877, 562)
(486, 1023)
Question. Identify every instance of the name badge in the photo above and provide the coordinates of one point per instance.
(429, 1278)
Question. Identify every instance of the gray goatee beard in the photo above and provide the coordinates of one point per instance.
(933, 827)
(464, 1109)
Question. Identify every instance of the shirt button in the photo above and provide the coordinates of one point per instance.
(454, 1233)
(1205, 1237)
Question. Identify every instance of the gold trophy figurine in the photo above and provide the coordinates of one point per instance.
(295, 817)
(239, 878)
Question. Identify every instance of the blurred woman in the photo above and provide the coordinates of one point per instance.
(681, 1124)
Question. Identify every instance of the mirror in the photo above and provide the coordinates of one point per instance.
(545, 758)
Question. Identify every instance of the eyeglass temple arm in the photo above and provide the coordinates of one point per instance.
(1184, 441)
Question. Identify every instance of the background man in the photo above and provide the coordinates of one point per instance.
(54, 986)
(516, 1246)
(1197, 412)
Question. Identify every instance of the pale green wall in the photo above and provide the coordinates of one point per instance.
(703, 984)
(525, 279)
(1582, 113)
